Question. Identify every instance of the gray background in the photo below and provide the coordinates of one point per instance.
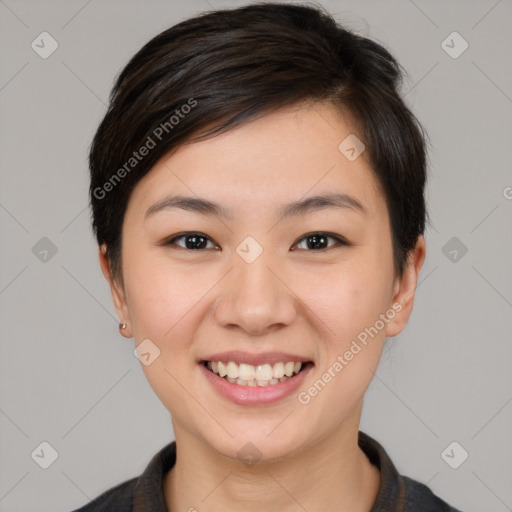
(68, 378)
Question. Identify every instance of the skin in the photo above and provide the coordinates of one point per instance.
(306, 301)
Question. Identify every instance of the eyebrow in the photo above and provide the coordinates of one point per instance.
(314, 203)
(301, 207)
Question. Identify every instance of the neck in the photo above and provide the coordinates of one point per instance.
(334, 470)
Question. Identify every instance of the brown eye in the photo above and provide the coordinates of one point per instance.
(320, 241)
(192, 241)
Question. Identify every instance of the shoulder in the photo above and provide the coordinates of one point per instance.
(419, 498)
(398, 492)
(116, 499)
(140, 493)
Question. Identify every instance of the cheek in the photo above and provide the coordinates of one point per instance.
(349, 303)
(347, 298)
(164, 306)
(160, 295)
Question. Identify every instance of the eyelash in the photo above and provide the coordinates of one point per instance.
(339, 240)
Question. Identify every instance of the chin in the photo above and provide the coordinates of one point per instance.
(252, 445)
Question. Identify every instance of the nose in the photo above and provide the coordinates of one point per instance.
(255, 298)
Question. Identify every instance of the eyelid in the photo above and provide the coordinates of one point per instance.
(339, 239)
(171, 240)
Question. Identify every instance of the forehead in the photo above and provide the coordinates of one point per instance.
(278, 158)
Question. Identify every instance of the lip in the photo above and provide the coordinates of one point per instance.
(255, 395)
(254, 359)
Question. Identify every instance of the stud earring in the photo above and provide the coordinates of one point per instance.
(122, 326)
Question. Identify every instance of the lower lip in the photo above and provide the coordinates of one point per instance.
(255, 395)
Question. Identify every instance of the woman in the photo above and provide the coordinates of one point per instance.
(257, 190)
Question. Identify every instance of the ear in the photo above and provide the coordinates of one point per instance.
(405, 289)
(118, 294)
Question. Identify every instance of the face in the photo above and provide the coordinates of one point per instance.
(260, 287)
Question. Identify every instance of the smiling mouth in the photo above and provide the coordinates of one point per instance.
(260, 375)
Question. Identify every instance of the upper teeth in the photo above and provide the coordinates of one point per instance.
(262, 373)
